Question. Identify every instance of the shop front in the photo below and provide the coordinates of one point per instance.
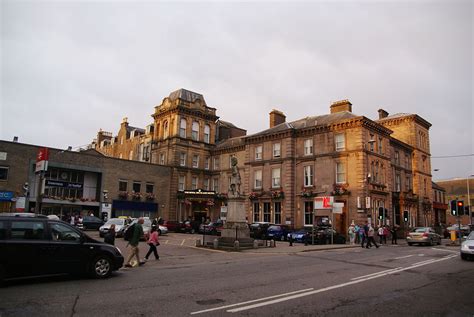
(199, 205)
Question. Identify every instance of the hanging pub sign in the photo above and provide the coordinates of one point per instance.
(42, 160)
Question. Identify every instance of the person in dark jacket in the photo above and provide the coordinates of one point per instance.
(134, 241)
(110, 236)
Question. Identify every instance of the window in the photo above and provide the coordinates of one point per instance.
(181, 181)
(276, 177)
(380, 145)
(308, 213)
(195, 132)
(149, 188)
(165, 130)
(267, 215)
(61, 232)
(256, 212)
(207, 133)
(215, 184)
(408, 183)
(207, 162)
(136, 187)
(195, 161)
(258, 152)
(397, 158)
(182, 128)
(27, 230)
(371, 142)
(308, 147)
(122, 185)
(424, 186)
(162, 158)
(3, 173)
(146, 152)
(340, 173)
(182, 159)
(340, 142)
(277, 209)
(398, 184)
(216, 163)
(206, 183)
(276, 149)
(194, 182)
(308, 176)
(258, 179)
(407, 161)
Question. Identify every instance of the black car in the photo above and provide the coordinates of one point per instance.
(91, 222)
(33, 245)
(213, 228)
(258, 230)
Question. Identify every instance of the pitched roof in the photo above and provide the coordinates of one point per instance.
(186, 95)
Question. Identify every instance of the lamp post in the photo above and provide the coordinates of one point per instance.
(469, 199)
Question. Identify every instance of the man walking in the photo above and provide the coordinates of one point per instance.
(370, 237)
(134, 241)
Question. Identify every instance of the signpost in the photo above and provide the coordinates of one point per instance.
(41, 168)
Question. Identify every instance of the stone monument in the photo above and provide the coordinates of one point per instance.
(235, 228)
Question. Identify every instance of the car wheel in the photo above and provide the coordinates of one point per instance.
(192, 231)
(463, 256)
(439, 241)
(410, 244)
(101, 267)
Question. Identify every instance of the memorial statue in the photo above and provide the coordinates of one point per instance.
(234, 189)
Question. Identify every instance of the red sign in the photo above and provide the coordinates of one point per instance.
(327, 202)
(43, 154)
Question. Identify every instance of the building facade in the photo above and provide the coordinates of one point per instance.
(368, 165)
(459, 189)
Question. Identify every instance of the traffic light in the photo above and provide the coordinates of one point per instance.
(380, 213)
(460, 204)
(405, 215)
(453, 207)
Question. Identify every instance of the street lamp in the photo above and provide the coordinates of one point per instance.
(469, 200)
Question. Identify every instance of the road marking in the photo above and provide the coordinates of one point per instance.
(184, 240)
(404, 257)
(421, 254)
(250, 301)
(377, 273)
(282, 299)
(445, 250)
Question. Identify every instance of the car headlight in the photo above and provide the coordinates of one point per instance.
(464, 247)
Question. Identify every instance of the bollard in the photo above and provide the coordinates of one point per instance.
(215, 243)
(198, 243)
(272, 243)
(255, 244)
(291, 240)
(236, 245)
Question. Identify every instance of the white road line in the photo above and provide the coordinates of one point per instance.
(250, 301)
(404, 257)
(357, 278)
(184, 240)
(336, 286)
(446, 250)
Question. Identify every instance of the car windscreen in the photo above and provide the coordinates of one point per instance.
(276, 228)
(470, 236)
(115, 221)
(419, 230)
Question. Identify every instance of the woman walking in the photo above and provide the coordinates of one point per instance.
(110, 236)
(153, 243)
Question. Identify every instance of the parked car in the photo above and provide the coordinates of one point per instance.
(190, 226)
(423, 235)
(278, 232)
(33, 245)
(467, 247)
(213, 228)
(91, 222)
(322, 235)
(162, 230)
(175, 226)
(120, 226)
(146, 227)
(258, 230)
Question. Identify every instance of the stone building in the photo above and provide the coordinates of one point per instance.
(459, 189)
(75, 183)
(368, 165)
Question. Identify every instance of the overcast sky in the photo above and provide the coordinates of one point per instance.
(69, 68)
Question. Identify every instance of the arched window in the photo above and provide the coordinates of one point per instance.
(195, 132)
(182, 128)
(207, 133)
(165, 130)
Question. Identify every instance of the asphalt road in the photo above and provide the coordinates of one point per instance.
(188, 281)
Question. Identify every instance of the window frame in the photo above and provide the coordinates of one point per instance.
(276, 152)
(195, 163)
(195, 133)
(259, 153)
(308, 147)
(340, 138)
(308, 179)
(274, 178)
(340, 173)
(7, 170)
(207, 133)
(182, 159)
(257, 176)
(182, 129)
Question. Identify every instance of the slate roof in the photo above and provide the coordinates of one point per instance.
(240, 140)
(186, 95)
(308, 122)
(139, 130)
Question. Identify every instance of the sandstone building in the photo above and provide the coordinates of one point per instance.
(365, 164)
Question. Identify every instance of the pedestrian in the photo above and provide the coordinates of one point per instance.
(386, 232)
(110, 236)
(380, 234)
(357, 235)
(134, 241)
(352, 233)
(370, 235)
(393, 231)
(363, 234)
(153, 243)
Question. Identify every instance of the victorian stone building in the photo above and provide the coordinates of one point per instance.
(368, 165)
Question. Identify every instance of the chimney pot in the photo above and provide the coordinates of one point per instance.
(276, 117)
(382, 114)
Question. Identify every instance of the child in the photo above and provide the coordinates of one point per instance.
(153, 242)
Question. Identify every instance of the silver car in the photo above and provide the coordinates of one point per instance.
(120, 226)
(467, 247)
(423, 235)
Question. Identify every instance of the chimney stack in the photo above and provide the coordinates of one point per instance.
(15, 139)
(341, 105)
(382, 114)
(276, 118)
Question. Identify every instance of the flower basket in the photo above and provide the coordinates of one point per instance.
(136, 195)
(254, 195)
(123, 195)
(340, 189)
(278, 194)
(221, 196)
(307, 193)
(149, 196)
